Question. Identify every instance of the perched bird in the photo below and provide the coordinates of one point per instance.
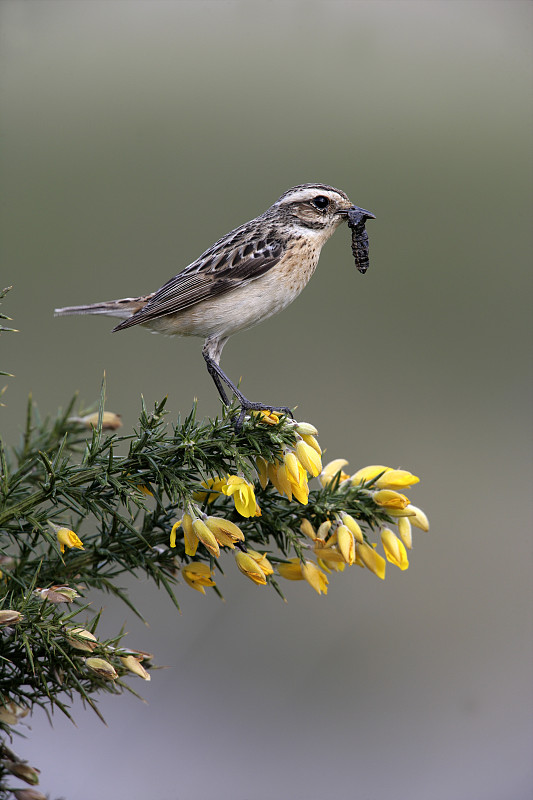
(247, 276)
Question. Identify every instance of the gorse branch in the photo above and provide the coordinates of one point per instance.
(81, 505)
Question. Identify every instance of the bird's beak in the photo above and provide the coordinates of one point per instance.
(364, 214)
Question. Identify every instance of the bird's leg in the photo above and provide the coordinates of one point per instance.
(210, 351)
(214, 370)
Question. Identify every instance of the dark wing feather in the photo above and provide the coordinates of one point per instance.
(231, 262)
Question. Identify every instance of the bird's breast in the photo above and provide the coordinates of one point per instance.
(251, 302)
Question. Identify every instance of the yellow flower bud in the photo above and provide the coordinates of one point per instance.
(394, 549)
(308, 530)
(305, 429)
(419, 519)
(189, 536)
(315, 577)
(28, 794)
(404, 529)
(262, 561)
(110, 420)
(89, 640)
(354, 526)
(291, 464)
(102, 668)
(388, 498)
(206, 537)
(134, 665)
(397, 479)
(10, 617)
(283, 480)
(225, 532)
(11, 713)
(368, 473)
(197, 575)
(262, 471)
(291, 570)
(308, 458)
(57, 594)
(312, 442)
(323, 529)
(23, 771)
(401, 512)
(372, 560)
(346, 544)
(249, 567)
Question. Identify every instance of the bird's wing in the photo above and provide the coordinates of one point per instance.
(236, 259)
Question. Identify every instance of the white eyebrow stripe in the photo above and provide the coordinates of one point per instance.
(303, 195)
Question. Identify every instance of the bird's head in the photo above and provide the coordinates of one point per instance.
(314, 206)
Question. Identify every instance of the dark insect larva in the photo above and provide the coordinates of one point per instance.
(356, 221)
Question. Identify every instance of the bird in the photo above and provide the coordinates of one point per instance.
(247, 276)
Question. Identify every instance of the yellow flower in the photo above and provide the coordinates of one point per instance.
(249, 567)
(300, 487)
(270, 417)
(330, 555)
(291, 570)
(89, 639)
(418, 518)
(346, 544)
(174, 531)
(354, 526)
(213, 486)
(290, 478)
(388, 498)
(394, 549)
(262, 561)
(308, 458)
(368, 473)
(206, 537)
(145, 490)
(243, 495)
(396, 479)
(189, 537)
(331, 469)
(224, 531)
(134, 665)
(372, 560)
(102, 668)
(197, 575)
(315, 577)
(67, 538)
(404, 529)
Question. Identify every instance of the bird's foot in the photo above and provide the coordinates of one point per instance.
(246, 406)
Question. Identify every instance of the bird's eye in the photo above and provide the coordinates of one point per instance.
(321, 202)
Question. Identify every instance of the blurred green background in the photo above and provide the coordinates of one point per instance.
(135, 134)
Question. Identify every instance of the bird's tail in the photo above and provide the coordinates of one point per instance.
(123, 309)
